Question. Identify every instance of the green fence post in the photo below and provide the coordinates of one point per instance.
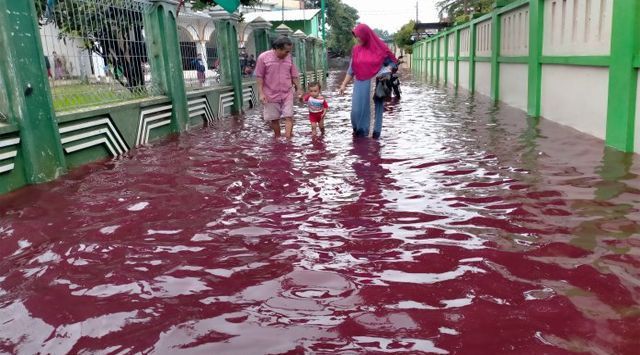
(623, 77)
(456, 61)
(236, 75)
(472, 58)
(424, 55)
(431, 59)
(301, 54)
(496, 29)
(438, 60)
(320, 60)
(446, 58)
(228, 54)
(166, 61)
(314, 56)
(536, 31)
(261, 30)
(28, 92)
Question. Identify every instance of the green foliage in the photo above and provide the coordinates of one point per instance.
(202, 4)
(341, 19)
(404, 37)
(460, 11)
(111, 29)
(384, 35)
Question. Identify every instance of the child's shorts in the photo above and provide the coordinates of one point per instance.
(315, 117)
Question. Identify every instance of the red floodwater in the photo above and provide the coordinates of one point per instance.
(466, 229)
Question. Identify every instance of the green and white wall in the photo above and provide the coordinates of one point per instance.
(39, 143)
(574, 62)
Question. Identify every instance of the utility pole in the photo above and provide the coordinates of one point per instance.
(417, 12)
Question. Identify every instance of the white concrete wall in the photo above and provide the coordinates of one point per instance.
(442, 42)
(465, 42)
(577, 27)
(451, 74)
(483, 78)
(76, 59)
(463, 70)
(443, 65)
(452, 44)
(513, 85)
(637, 136)
(576, 97)
(483, 39)
(514, 33)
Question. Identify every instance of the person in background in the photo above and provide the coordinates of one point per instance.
(395, 82)
(243, 63)
(371, 57)
(277, 77)
(251, 65)
(58, 65)
(47, 63)
(201, 69)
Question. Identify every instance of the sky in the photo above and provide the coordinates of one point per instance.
(390, 15)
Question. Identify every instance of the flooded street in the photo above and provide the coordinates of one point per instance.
(466, 229)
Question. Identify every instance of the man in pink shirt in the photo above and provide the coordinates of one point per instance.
(277, 77)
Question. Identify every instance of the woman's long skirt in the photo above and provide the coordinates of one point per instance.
(361, 102)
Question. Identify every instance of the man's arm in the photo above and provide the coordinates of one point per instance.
(296, 83)
(260, 72)
(295, 78)
(260, 84)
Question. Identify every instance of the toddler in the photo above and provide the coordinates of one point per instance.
(317, 107)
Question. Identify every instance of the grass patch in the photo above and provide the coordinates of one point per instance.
(68, 97)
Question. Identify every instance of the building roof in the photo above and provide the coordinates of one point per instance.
(289, 15)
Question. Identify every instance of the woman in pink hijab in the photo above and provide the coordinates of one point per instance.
(371, 58)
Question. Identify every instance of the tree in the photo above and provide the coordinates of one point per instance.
(404, 38)
(341, 19)
(101, 30)
(460, 11)
(202, 4)
(383, 34)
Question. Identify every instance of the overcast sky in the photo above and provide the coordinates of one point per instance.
(390, 15)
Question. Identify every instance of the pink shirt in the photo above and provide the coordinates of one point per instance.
(277, 75)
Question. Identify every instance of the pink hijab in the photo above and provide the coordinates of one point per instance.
(369, 56)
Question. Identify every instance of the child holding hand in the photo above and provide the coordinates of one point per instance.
(317, 107)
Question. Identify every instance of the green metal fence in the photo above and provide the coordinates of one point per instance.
(95, 52)
(576, 33)
(91, 79)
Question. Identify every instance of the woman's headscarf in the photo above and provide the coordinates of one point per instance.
(369, 56)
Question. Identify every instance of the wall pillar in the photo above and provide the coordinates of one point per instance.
(438, 54)
(30, 104)
(496, 29)
(229, 55)
(456, 61)
(301, 55)
(446, 59)
(536, 31)
(166, 61)
(261, 30)
(623, 76)
(472, 58)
